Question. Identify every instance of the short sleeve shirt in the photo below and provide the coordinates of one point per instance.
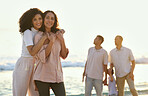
(112, 86)
(95, 61)
(121, 60)
(28, 38)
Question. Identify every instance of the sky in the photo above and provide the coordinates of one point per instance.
(82, 20)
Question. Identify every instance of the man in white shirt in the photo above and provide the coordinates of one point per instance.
(96, 64)
(121, 58)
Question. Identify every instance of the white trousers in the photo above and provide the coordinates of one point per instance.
(23, 77)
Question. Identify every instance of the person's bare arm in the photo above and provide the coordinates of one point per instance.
(49, 46)
(132, 70)
(64, 50)
(105, 70)
(111, 78)
(48, 49)
(111, 66)
(110, 70)
(84, 72)
(110, 75)
(33, 49)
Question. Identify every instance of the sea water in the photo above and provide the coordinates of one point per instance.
(74, 85)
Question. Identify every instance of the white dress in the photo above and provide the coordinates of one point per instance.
(112, 86)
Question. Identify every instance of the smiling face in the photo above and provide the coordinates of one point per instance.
(49, 20)
(37, 21)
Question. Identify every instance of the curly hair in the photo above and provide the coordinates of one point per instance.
(55, 27)
(25, 22)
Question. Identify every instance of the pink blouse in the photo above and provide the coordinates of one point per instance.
(48, 69)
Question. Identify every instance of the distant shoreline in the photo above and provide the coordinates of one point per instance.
(141, 63)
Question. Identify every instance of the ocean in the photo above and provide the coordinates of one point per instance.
(72, 78)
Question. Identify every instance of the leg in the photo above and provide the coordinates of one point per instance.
(21, 76)
(131, 86)
(43, 88)
(58, 89)
(98, 86)
(20, 85)
(31, 89)
(88, 86)
(120, 85)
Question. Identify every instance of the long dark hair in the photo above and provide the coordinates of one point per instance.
(54, 28)
(25, 22)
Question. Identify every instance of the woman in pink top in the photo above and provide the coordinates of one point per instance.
(48, 71)
(29, 23)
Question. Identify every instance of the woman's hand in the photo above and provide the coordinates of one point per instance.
(46, 39)
(62, 31)
(59, 35)
(51, 37)
(44, 36)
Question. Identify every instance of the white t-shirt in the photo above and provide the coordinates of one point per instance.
(95, 61)
(112, 86)
(121, 60)
(28, 38)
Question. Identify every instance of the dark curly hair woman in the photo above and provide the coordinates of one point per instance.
(30, 24)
